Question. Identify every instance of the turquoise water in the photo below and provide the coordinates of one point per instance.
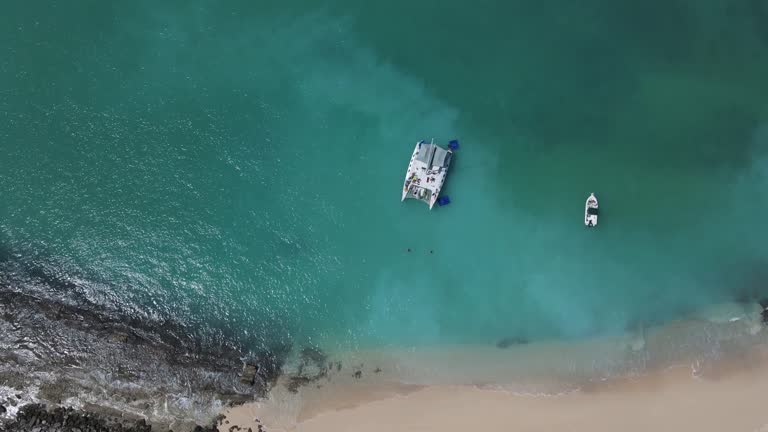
(237, 165)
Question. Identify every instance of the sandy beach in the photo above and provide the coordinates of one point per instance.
(723, 395)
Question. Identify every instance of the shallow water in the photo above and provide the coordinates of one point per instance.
(703, 346)
(236, 167)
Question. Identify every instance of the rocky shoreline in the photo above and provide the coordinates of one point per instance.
(39, 418)
(107, 366)
(70, 364)
(70, 361)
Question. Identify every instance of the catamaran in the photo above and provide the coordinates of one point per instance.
(427, 171)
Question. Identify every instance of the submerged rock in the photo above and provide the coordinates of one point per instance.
(313, 355)
(509, 341)
(313, 365)
(764, 313)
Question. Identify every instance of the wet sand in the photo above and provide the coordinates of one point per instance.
(727, 395)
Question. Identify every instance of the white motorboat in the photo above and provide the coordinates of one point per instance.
(591, 211)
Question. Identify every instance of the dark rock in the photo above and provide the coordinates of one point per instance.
(2, 409)
(210, 365)
(509, 341)
(143, 426)
(219, 420)
(121, 337)
(297, 381)
(249, 374)
(764, 304)
(36, 417)
(313, 355)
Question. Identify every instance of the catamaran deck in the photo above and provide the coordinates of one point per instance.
(426, 172)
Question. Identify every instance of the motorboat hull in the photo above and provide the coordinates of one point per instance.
(591, 211)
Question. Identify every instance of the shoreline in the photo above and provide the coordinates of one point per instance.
(722, 355)
(113, 366)
(724, 395)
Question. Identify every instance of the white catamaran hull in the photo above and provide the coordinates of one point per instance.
(409, 173)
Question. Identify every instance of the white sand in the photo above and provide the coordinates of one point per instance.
(730, 396)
